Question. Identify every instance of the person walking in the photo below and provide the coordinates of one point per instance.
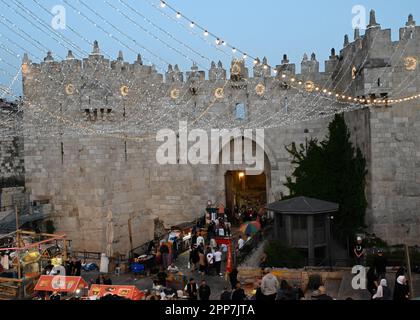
(269, 285)
(218, 261)
(192, 289)
(401, 290)
(204, 291)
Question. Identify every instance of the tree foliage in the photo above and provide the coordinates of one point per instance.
(332, 170)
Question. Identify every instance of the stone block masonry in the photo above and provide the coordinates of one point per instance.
(89, 159)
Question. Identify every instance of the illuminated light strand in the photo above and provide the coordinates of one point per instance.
(192, 50)
(116, 39)
(378, 101)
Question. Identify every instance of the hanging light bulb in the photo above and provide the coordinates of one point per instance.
(206, 33)
(245, 56)
(178, 15)
(234, 50)
(192, 24)
(217, 41)
(162, 4)
(224, 43)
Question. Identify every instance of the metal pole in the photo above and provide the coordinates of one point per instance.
(410, 279)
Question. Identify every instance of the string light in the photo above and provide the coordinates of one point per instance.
(206, 33)
(192, 24)
(162, 4)
(178, 15)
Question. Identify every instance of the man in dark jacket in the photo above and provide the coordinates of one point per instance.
(191, 289)
(380, 262)
(204, 291)
(239, 293)
(226, 295)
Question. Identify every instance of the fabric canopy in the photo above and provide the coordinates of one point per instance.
(60, 284)
(128, 292)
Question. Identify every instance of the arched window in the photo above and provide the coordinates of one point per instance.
(240, 111)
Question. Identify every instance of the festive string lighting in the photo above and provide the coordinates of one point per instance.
(162, 4)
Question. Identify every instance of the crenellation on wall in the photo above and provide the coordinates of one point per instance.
(86, 175)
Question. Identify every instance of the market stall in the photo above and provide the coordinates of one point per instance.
(24, 254)
(67, 284)
(128, 292)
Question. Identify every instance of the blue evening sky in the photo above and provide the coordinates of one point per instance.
(261, 28)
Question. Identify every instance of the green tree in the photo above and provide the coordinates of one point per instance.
(332, 170)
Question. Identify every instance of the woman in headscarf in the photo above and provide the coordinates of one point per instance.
(401, 291)
(383, 292)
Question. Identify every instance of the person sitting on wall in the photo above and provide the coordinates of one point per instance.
(359, 251)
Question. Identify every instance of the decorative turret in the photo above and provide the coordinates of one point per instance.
(25, 59)
(310, 68)
(410, 22)
(356, 34)
(174, 74)
(139, 60)
(372, 20)
(195, 74)
(120, 56)
(286, 67)
(262, 70)
(217, 72)
(49, 57)
(333, 54)
(70, 55)
(96, 51)
(346, 40)
(331, 64)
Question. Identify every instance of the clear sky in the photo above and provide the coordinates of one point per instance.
(261, 28)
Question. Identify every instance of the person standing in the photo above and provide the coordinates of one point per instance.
(77, 267)
(233, 278)
(241, 243)
(401, 290)
(175, 249)
(202, 262)
(164, 253)
(359, 251)
(218, 261)
(200, 240)
(191, 289)
(269, 285)
(210, 261)
(194, 258)
(226, 295)
(380, 262)
(238, 294)
(204, 291)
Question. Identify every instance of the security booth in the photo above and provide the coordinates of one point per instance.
(305, 224)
